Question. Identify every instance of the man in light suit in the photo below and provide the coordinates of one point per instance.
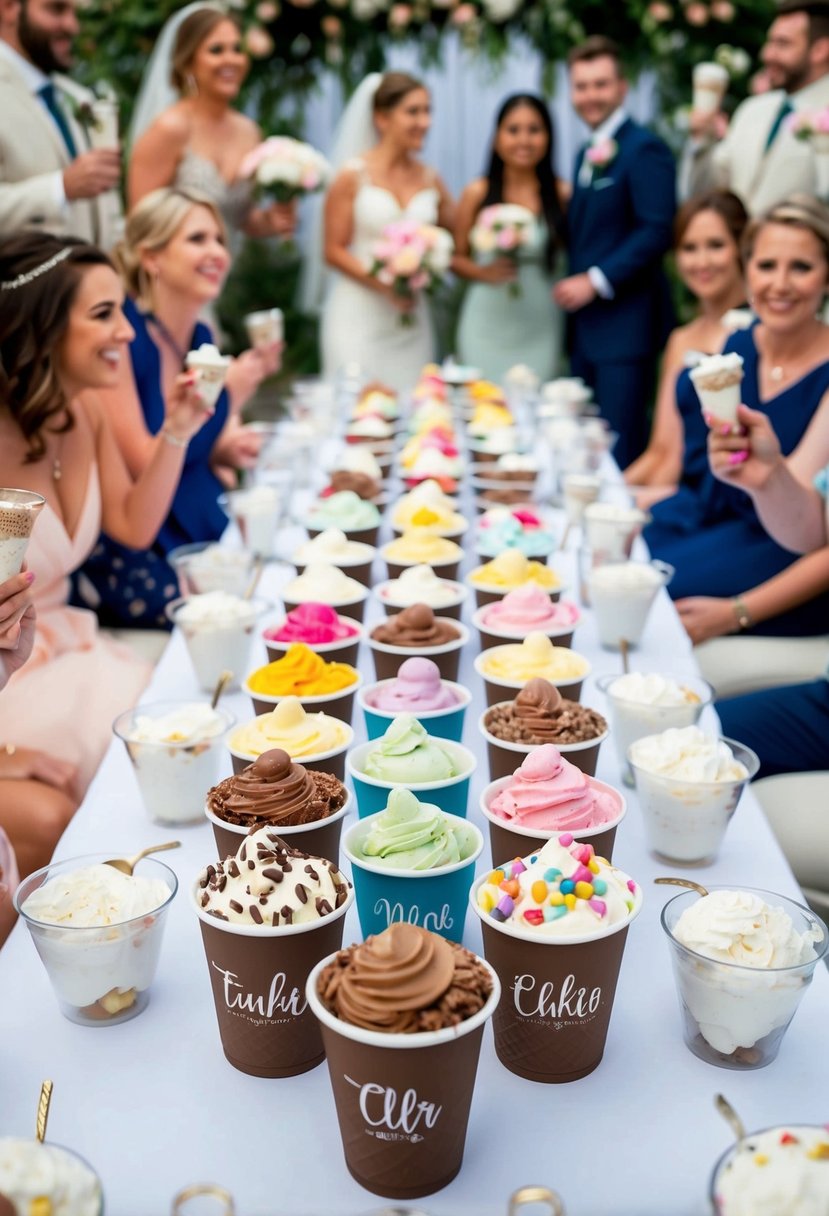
(758, 157)
(50, 176)
(619, 225)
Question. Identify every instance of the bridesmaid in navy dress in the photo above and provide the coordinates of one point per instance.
(726, 563)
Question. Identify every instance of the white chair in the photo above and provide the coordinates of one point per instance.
(735, 665)
(797, 807)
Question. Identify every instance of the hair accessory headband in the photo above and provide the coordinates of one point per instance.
(43, 268)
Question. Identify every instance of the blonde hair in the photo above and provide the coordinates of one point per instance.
(193, 31)
(796, 211)
(150, 226)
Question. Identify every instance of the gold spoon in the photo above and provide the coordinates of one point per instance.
(181, 1201)
(536, 1194)
(43, 1110)
(682, 882)
(625, 652)
(127, 865)
(256, 574)
(221, 684)
(731, 1117)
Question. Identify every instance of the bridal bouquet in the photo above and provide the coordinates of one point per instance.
(811, 126)
(503, 228)
(284, 169)
(411, 258)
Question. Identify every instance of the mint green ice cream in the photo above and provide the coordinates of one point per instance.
(406, 755)
(414, 835)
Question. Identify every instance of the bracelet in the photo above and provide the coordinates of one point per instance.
(173, 440)
(9, 749)
(741, 613)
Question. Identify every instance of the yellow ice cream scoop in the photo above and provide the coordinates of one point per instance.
(301, 672)
(296, 732)
(512, 569)
(422, 548)
(535, 656)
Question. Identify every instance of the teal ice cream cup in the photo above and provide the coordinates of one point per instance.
(389, 890)
(451, 794)
(440, 723)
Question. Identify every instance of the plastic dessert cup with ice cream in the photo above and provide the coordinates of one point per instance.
(43, 1177)
(540, 715)
(742, 960)
(18, 511)
(421, 585)
(710, 81)
(264, 927)
(546, 795)
(211, 368)
(412, 863)
(357, 518)
(333, 637)
(509, 570)
(417, 631)
(718, 380)
(579, 490)
(333, 548)
(176, 749)
(436, 770)
(321, 687)
(98, 933)
(318, 741)
(323, 584)
(610, 530)
(421, 549)
(402, 1040)
(439, 705)
(257, 512)
(211, 567)
(622, 595)
(689, 783)
(506, 669)
(305, 806)
(554, 926)
(358, 459)
(265, 327)
(218, 628)
(789, 1179)
(525, 610)
(642, 704)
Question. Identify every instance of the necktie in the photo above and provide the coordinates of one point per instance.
(786, 108)
(48, 94)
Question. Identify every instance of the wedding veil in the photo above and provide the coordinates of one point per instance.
(156, 92)
(354, 134)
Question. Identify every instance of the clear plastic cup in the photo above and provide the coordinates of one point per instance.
(736, 1016)
(18, 511)
(622, 595)
(632, 720)
(219, 644)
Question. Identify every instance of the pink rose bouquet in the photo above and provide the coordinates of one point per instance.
(812, 127)
(411, 258)
(503, 229)
(284, 169)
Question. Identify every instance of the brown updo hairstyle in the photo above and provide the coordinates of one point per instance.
(151, 225)
(797, 211)
(392, 89)
(33, 321)
(191, 34)
(723, 203)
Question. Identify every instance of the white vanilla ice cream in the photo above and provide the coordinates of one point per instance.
(646, 703)
(257, 512)
(323, 584)
(218, 629)
(688, 754)
(780, 1172)
(211, 366)
(358, 458)
(31, 1172)
(420, 585)
(622, 593)
(334, 547)
(175, 757)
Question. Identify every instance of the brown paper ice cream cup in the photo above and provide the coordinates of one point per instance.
(447, 570)
(495, 692)
(552, 1023)
(332, 761)
(258, 976)
(489, 594)
(387, 659)
(353, 609)
(344, 651)
(402, 1100)
(504, 758)
(507, 840)
(319, 839)
(392, 607)
(339, 705)
(361, 571)
(561, 636)
(363, 536)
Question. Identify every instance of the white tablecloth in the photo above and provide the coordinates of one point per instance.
(154, 1105)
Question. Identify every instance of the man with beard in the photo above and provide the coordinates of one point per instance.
(757, 155)
(50, 175)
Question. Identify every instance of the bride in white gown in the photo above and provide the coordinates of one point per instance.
(380, 181)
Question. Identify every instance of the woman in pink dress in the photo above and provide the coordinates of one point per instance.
(63, 335)
(17, 635)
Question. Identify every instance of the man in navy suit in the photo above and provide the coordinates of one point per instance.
(619, 223)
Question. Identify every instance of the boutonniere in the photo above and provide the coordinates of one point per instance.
(84, 116)
(602, 154)
(811, 127)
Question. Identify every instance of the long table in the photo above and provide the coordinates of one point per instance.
(154, 1105)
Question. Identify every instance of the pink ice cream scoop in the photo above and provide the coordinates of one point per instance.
(418, 687)
(529, 608)
(549, 794)
(313, 624)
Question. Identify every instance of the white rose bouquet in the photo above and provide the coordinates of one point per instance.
(285, 169)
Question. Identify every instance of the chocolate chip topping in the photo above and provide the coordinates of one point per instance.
(539, 714)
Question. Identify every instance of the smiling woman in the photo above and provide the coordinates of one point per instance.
(200, 141)
(64, 337)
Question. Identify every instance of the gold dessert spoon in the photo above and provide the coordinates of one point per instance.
(221, 684)
(683, 882)
(127, 865)
(43, 1109)
(536, 1194)
(731, 1117)
(256, 574)
(624, 648)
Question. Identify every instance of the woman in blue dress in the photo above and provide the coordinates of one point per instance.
(730, 574)
(508, 314)
(174, 261)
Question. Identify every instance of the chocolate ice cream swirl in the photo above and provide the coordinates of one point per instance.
(403, 981)
(538, 708)
(539, 714)
(415, 626)
(273, 791)
(359, 483)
